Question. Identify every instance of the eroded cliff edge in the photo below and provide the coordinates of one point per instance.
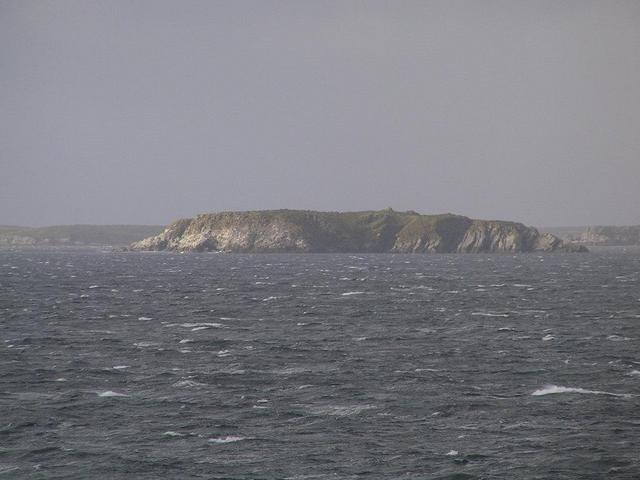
(303, 231)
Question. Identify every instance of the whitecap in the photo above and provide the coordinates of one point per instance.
(173, 434)
(268, 299)
(488, 314)
(94, 286)
(111, 393)
(228, 439)
(617, 338)
(188, 383)
(145, 318)
(554, 389)
(346, 294)
(634, 373)
(452, 453)
(199, 326)
(546, 338)
(186, 340)
(121, 367)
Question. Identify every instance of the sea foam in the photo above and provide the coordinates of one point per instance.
(229, 439)
(111, 393)
(554, 389)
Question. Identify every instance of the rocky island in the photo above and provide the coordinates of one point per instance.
(385, 231)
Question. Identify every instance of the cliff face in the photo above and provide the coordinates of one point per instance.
(301, 231)
(603, 235)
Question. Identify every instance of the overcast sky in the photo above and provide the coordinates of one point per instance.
(145, 111)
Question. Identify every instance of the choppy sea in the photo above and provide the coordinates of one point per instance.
(212, 366)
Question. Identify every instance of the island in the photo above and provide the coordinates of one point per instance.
(384, 231)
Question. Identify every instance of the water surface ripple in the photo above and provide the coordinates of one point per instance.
(160, 365)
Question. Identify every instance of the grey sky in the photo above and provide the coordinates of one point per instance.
(144, 111)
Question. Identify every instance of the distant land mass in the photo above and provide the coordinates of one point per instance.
(305, 231)
(609, 236)
(599, 235)
(57, 235)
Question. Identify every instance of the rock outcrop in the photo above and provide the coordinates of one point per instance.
(303, 231)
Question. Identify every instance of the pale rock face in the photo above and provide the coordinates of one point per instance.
(497, 237)
(548, 243)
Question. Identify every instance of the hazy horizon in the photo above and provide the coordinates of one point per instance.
(143, 112)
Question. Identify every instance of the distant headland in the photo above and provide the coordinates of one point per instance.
(75, 235)
(383, 231)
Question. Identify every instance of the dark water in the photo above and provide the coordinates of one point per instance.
(131, 365)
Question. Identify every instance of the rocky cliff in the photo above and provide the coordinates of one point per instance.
(304, 231)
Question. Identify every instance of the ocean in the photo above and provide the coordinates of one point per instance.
(215, 366)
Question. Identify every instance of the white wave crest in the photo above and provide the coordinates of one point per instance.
(188, 383)
(229, 439)
(201, 326)
(554, 389)
(111, 393)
